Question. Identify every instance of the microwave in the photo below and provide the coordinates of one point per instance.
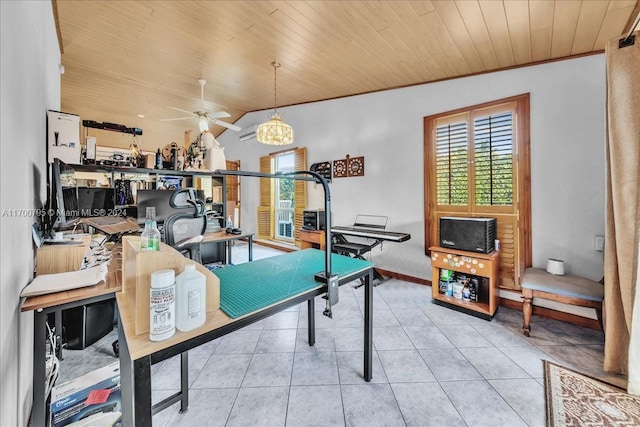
(313, 220)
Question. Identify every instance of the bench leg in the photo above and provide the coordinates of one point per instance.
(527, 296)
(599, 316)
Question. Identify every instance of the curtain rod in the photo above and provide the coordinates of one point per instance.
(629, 40)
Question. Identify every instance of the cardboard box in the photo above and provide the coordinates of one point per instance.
(63, 137)
(97, 392)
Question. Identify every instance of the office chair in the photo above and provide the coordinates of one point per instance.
(185, 231)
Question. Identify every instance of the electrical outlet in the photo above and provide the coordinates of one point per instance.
(598, 243)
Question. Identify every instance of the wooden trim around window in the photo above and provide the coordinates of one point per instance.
(514, 222)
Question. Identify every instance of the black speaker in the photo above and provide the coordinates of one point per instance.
(468, 234)
(86, 324)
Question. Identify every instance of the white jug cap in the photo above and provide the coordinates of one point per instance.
(190, 267)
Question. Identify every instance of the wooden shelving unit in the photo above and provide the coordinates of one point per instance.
(470, 263)
(312, 238)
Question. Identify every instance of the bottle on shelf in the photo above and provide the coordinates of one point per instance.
(229, 222)
(446, 277)
(150, 237)
(172, 157)
(474, 289)
(158, 159)
(465, 292)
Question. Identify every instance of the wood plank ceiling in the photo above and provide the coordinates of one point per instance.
(124, 58)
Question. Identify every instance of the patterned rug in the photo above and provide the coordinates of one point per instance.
(574, 399)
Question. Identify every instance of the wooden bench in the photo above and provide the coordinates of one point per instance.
(574, 290)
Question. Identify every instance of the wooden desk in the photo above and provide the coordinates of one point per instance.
(60, 258)
(222, 236)
(42, 305)
(312, 239)
(138, 353)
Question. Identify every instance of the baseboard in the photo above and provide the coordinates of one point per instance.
(275, 245)
(404, 277)
(553, 314)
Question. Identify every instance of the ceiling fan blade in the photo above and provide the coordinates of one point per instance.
(218, 115)
(181, 110)
(226, 125)
(177, 118)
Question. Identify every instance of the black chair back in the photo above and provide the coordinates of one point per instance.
(185, 231)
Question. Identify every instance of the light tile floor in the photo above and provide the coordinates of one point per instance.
(432, 366)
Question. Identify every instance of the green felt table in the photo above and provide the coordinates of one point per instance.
(245, 288)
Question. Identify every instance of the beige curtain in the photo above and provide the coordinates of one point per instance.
(622, 331)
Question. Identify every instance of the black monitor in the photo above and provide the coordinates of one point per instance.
(72, 202)
(64, 195)
(160, 199)
(95, 201)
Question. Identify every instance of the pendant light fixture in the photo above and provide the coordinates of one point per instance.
(275, 131)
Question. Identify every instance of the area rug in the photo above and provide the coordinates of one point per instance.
(575, 399)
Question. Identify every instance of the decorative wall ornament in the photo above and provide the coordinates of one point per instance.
(355, 166)
(349, 166)
(340, 168)
(323, 169)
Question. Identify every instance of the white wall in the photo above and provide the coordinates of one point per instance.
(567, 156)
(30, 84)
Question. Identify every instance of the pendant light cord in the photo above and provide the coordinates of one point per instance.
(275, 65)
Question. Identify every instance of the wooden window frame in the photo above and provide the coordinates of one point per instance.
(265, 210)
(521, 179)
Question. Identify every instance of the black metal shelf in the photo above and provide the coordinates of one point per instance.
(126, 169)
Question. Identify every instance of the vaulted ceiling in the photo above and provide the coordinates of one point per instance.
(128, 58)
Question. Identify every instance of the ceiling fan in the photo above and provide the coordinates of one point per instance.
(204, 117)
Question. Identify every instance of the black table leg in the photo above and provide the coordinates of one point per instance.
(58, 334)
(311, 320)
(184, 382)
(142, 391)
(135, 385)
(368, 325)
(229, 251)
(39, 411)
(250, 248)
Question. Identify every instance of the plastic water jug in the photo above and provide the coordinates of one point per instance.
(191, 298)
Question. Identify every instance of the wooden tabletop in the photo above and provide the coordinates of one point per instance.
(111, 285)
(140, 345)
(222, 236)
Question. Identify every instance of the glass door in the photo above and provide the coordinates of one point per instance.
(284, 198)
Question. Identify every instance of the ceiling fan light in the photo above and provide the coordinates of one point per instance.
(204, 126)
(275, 131)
